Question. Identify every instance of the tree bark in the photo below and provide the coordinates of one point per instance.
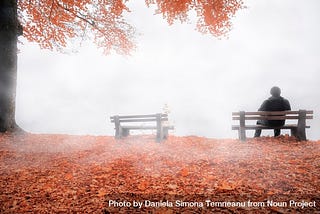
(9, 27)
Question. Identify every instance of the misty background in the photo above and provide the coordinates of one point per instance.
(202, 79)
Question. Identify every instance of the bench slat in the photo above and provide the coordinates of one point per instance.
(271, 113)
(139, 116)
(139, 127)
(139, 120)
(145, 127)
(270, 117)
(254, 127)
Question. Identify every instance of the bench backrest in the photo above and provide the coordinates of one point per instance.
(273, 115)
(139, 118)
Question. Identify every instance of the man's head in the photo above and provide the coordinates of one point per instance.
(275, 91)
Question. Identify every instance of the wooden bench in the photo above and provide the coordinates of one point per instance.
(298, 129)
(123, 124)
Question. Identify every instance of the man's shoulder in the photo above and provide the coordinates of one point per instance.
(284, 99)
(277, 99)
(265, 102)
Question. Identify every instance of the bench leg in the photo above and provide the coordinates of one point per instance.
(301, 130)
(242, 131)
(165, 133)
(242, 134)
(118, 132)
(117, 127)
(125, 132)
(121, 132)
(159, 128)
(294, 132)
(301, 134)
(159, 136)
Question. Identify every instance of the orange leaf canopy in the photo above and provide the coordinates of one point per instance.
(53, 23)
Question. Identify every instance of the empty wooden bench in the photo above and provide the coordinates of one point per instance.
(298, 129)
(125, 123)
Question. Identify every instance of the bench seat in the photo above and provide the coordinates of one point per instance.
(255, 127)
(146, 127)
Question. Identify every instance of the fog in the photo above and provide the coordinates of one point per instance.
(201, 78)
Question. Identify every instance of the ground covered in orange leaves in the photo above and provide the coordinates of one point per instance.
(97, 174)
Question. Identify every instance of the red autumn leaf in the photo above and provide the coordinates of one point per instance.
(102, 192)
(143, 185)
(54, 23)
(184, 172)
(95, 169)
(68, 176)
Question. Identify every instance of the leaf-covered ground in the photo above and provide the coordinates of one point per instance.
(97, 174)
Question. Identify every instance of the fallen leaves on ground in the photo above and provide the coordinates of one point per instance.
(81, 174)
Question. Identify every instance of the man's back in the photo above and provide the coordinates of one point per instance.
(275, 104)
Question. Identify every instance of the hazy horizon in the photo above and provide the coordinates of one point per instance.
(201, 78)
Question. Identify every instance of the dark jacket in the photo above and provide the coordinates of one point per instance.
(274, 104)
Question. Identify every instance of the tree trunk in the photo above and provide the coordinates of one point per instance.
(9, 26)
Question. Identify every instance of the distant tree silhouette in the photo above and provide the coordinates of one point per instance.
(53, 23)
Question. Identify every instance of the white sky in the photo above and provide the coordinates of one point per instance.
(201, 78)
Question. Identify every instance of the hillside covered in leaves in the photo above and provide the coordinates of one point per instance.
(97, 174)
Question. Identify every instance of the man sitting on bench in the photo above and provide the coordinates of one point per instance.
(274, 103)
